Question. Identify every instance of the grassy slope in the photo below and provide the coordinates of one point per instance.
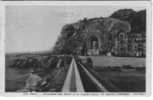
(15, 78)
(118, 61)
(129, 81)
(125, 81)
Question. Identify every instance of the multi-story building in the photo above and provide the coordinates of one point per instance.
(131, 44)
(137, 44)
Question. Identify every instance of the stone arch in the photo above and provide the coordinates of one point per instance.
(93, 44)
(93, 40)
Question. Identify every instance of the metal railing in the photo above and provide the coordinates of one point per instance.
(94, 80)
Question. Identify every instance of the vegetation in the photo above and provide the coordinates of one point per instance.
(35, 61)
(136, 19)
(121, 80)
(18, 67)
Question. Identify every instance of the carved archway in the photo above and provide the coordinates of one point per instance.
(93, 42)
(93, 45)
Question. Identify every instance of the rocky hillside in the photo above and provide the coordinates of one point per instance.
(76, 34)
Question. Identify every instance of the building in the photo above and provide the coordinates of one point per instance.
(120, 47)
(137, 44)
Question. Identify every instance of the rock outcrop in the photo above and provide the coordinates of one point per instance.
(78, 34)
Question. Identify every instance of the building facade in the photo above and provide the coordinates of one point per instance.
(137, 44)
(120, 47)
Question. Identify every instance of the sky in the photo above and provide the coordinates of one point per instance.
(36, 27)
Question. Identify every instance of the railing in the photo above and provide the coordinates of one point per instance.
(74, 82)
(94, 80)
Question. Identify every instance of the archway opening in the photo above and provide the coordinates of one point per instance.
(93, 46)
(93, 42)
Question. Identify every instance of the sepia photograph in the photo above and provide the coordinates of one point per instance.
(75, 48)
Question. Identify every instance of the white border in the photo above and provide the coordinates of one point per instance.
(130, 3)
(2, 48)
(146, 4)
